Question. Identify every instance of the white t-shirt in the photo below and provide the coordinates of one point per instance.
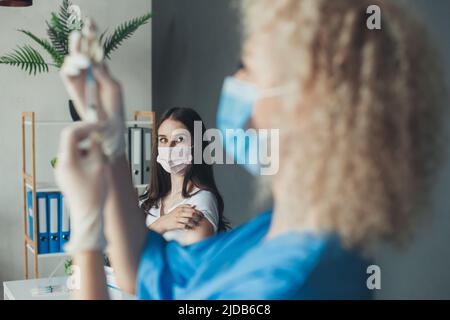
(204, 201)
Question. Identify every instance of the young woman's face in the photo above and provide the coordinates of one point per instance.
(173, 133)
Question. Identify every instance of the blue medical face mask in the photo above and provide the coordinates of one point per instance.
(236, 107)
(236, 104)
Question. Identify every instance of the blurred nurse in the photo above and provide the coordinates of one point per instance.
(360, 115)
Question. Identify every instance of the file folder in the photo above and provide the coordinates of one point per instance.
(42, 218)
(147, 153)
(30, 214)
(64, 236)
(135, 138)
(53, 213)
(42, 212)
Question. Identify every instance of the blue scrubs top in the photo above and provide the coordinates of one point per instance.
(241, 264)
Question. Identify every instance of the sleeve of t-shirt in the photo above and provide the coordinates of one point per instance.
(206, 203)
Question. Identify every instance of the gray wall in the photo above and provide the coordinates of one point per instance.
(196, 44)
(422, 271)
(46, 96)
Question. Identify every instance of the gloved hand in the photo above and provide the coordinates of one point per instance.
(84, 56)
(81, 174)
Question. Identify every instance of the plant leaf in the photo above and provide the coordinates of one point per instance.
(65, 17)
(58, 31)
(26, 58)
(58, 40)
(102, 36)
(53, 162)
(123, 32)
(56, 56)
(59, 21)
(64, 11)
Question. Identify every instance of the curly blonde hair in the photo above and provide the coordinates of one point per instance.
(362, 139)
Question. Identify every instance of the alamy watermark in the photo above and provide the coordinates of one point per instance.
(374, 20)
(260, 147)
(374, 280)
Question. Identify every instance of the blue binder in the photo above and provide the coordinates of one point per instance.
(30, 214)
(43, 234)
(53, 221)
(42, 222)
(64, 235)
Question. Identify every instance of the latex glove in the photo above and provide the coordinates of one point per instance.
(107, 95)
(81, 175)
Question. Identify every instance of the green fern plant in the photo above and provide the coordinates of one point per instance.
(57, 45)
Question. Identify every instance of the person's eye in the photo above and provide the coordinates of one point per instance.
(180, 139)
(162, 140)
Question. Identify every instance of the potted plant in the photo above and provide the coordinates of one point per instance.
(68, 267)
(59, 27)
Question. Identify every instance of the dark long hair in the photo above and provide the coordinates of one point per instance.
(201, 175)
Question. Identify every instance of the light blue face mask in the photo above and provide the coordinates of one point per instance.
(235, 110)
(236, 107)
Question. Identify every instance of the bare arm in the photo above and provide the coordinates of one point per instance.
(125, 225)
(201, 232)
(92, 276)
(184, 217)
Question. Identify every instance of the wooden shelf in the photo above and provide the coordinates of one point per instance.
(47, 187)
(47, 255)
(43, 187)
(64, 123)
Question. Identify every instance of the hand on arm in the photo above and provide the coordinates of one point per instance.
(206, 205)
(188, 218)
(202, 231)
(182, 217)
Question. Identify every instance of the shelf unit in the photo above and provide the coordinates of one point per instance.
(30, 181)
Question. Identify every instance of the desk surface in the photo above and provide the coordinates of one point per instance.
(22, 290)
